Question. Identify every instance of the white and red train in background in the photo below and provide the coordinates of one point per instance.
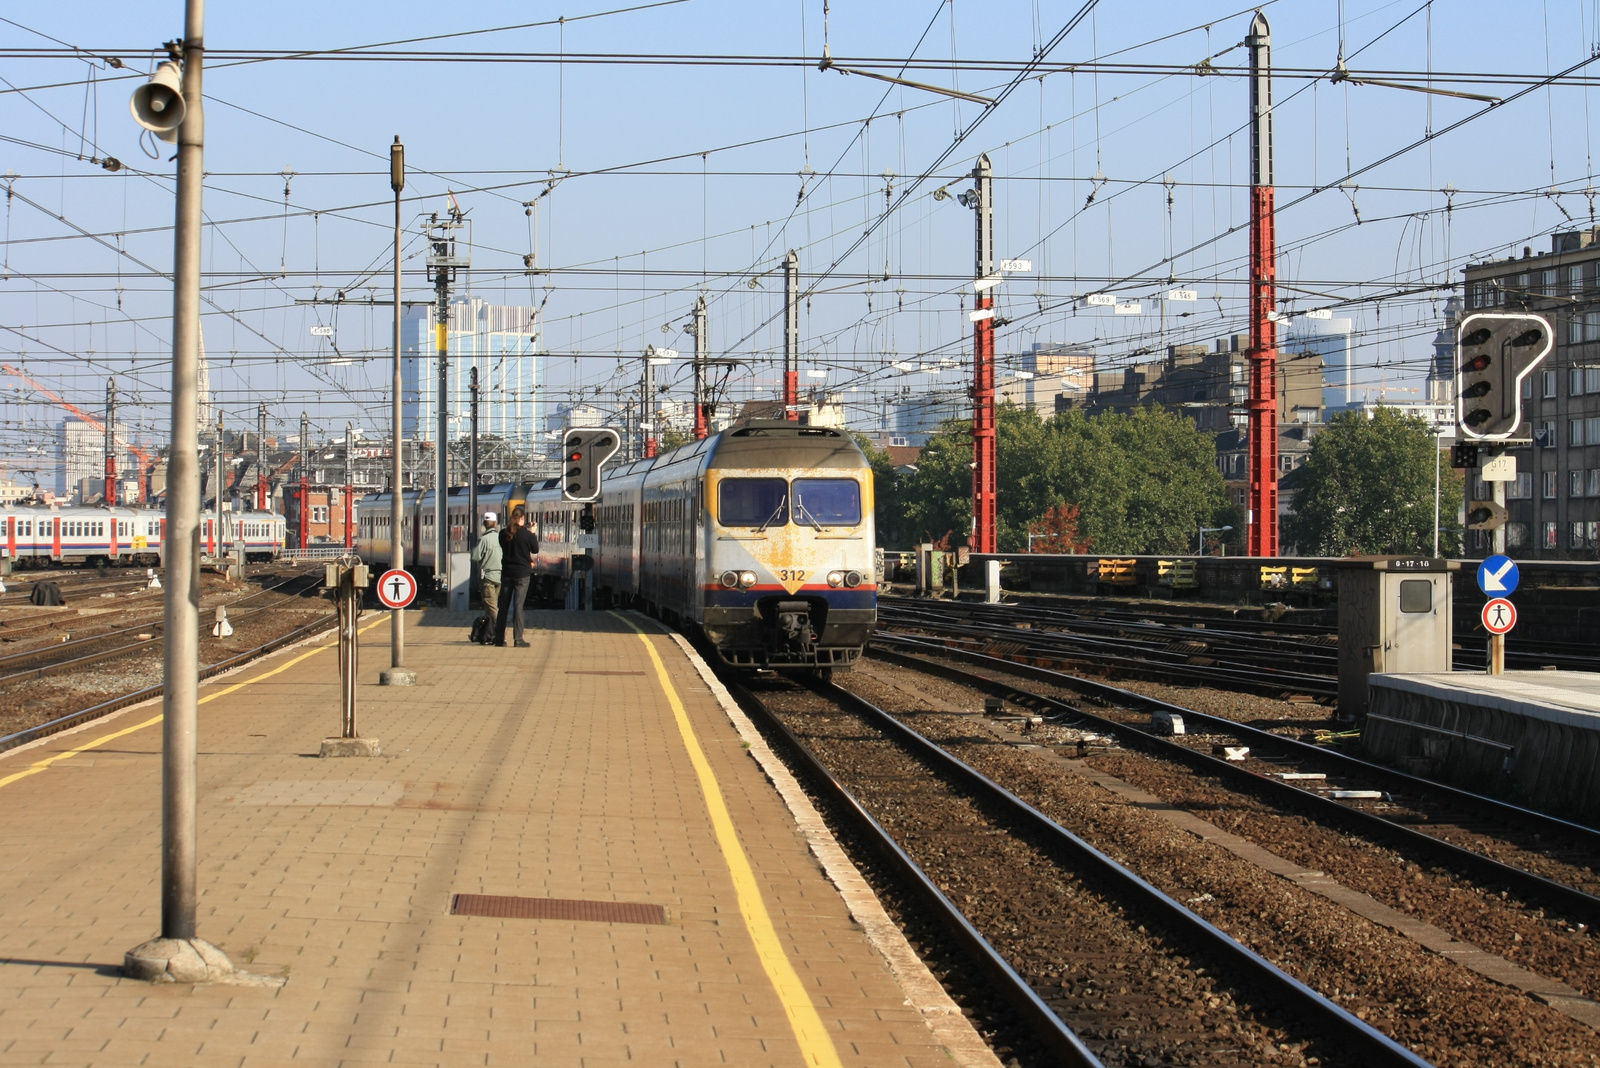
(33, 536)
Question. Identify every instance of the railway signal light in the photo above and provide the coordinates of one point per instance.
(1485, 515)
(1463, 456)
(1496, 351)
(584, 451)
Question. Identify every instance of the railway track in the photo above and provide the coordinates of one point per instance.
(1542, 858)
(72, 654)
(105, 708)
(1103, 966)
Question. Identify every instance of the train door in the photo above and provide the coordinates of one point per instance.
(112, 522)
(55, 537)
(11, 537)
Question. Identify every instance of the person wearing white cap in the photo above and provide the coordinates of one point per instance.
(487, 555)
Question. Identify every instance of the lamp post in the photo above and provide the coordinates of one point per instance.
(1212, 530)
(398, 674)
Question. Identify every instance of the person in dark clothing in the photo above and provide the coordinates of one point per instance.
(519, 546)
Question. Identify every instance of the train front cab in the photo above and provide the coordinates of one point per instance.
(788, 581)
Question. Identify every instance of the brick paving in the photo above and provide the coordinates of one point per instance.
(555, 771)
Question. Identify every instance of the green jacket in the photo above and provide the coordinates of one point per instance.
(486, 554)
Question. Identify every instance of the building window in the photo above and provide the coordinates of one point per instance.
(1516, 535)
(1550, 535)
(1575, 432)
(1574, 381)
(1591, 379)
(1545, 435)
(1574, 483)
(1549, 485)
(1548, 286)
(1575, 278)
(319, 513)
(1527, 389)
(1574, 535)
(1591, 534)
(1594, 482)
(1519, 490)
(1548, 379)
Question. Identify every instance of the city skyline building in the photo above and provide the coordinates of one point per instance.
(1331, 340)
(501, 341)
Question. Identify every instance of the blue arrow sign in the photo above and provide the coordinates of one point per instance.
(1497, 576)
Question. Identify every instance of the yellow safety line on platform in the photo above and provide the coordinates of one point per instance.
(816, 1045)
(40, 765)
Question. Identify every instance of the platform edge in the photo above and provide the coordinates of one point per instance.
(923, 992)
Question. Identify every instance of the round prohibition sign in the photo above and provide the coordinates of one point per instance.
(1499, 615)
(396, 588)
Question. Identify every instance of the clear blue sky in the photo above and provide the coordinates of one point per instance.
(689, 205)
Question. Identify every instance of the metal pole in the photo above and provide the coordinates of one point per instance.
(181, 626)
(472, 466)
(441, 482)
(261, 457)
(1497, 642)
(1436, 496)
(1262, 539)
(985, 455)
(349, 485)
(700, 349)
(791, 335)
(110, 493)
(647, 411)
(217, 529)
(397, 675)
(305, 480)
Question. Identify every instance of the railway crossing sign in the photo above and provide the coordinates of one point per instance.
(396, 588)
(1498, 576)
(1499, 615)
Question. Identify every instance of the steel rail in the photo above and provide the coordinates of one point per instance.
(1528, 884)
(105, 708)
(1337, 1023)
(150, 625)
(1093, 650)
(1046, 1025)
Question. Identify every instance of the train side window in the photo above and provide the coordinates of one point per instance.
(829, 502)
(752, 502)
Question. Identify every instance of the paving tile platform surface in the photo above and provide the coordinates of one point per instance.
(557, 771)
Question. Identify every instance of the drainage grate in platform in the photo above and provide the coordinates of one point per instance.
(554, 908)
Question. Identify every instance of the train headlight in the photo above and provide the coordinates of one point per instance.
(729, 579)
(852, 579)
(836, 579)
(747, 579)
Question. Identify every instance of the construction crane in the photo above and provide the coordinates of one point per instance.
(146, 461)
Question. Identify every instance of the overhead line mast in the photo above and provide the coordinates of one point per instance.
(985, 455)
(1262, 518)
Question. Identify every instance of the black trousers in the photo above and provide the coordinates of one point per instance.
(512, 596)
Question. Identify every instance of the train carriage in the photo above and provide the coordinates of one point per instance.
(760, 538)
(37, 536)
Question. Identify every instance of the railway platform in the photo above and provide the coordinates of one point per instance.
(1533, 736)
(574, 854)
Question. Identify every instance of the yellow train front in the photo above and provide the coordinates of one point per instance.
(759, 538)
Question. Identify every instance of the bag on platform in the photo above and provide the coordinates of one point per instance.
(482, 631)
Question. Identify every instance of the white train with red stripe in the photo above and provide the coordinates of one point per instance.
(34, 536)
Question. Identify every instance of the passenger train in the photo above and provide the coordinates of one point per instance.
(34, 536)
(759, 537)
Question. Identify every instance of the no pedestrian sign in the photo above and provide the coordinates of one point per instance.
(1499, 616)
(1498, 576)
(396, 588)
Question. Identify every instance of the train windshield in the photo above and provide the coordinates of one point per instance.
(828, 502)
(753, 502)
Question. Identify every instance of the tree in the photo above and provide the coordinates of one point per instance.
(1142, 482)
(1367, 487)
(887, 511)
(1057, 531)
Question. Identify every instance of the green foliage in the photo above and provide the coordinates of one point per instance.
(1367, 487)
(1142, 482)
(888, 513)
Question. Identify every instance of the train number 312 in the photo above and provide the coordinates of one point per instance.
(791, 574)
